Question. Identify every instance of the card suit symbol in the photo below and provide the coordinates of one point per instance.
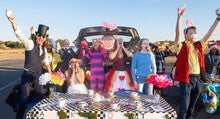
(121, 78)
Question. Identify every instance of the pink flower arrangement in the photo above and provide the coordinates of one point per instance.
(160, 81)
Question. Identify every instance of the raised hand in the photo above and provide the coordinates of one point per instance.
(11, 18)
(73, 67)
(218, 13)
(83, 44)
(122, 43)
(181, 10)
(118, 44)
(32, 29)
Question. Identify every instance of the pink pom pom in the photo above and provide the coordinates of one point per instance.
(84, 44)
(150, 77)
(83, 52)
(189, 22)
(161, 81)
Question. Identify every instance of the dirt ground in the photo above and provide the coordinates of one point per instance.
(18, 54)
(12, 54)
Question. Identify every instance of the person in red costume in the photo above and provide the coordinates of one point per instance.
(119, 77)
(190, 64)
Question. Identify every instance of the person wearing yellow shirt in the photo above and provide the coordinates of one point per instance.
(190, 64)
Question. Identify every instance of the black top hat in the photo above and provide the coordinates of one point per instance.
(42, 29)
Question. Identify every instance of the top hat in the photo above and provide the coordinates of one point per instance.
(42, 29)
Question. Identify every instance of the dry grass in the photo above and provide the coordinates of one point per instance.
(12, 54)
(18, 54)
(169, 62)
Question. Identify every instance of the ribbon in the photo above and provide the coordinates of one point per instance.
(108, 25)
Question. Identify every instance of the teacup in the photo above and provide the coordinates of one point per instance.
(139, 105)
(90, 92)
(62, 103)
(134, 94)
(83, 104)
(111, 93)
(114, 106)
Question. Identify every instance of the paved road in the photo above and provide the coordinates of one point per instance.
(10, 71)
(171, 94)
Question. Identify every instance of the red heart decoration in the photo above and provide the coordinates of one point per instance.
(121, 78)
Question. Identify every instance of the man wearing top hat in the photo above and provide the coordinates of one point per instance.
(35, 54)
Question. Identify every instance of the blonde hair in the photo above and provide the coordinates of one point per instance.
(74, 59)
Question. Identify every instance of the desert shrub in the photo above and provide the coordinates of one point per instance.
(3, 46)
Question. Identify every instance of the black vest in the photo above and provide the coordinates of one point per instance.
(33, 61)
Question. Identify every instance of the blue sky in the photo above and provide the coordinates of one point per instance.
(153, 19)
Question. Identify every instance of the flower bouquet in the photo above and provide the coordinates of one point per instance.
(160, 81)
(52, 78)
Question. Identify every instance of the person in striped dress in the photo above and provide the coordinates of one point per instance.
(97, 56)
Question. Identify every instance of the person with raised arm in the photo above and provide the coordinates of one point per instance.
(35, 54)
(119, 77)
(190, 64)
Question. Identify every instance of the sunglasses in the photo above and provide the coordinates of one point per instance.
(39, 35)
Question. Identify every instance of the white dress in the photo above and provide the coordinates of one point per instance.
(77, 88)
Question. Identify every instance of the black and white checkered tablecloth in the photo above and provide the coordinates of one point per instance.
(51, 104)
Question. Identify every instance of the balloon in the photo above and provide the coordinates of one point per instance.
(209, 98)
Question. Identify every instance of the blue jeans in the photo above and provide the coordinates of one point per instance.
(143, 86)
(189, 93)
